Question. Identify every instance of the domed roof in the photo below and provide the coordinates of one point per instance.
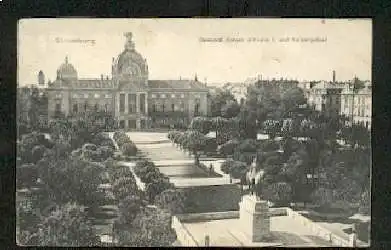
(66, 71)
(130, 63)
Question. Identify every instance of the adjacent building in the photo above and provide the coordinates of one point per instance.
(341, 98)
(135, 101)
(325, 97)
(357, 104)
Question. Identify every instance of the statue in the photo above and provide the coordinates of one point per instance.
(129, 45)
(252, 186)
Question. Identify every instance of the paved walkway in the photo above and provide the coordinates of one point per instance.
(131, 166)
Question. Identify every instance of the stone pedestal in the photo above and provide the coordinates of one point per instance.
(255, 218)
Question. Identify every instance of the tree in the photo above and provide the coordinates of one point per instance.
(246, 151)
(235, 169)
(365, 202)
(201, 124)
(228, 148)
(26, 175)
(291, 100)
(154, 228)
(272, 128)
(123, 187)
(279, 193)
(230, 109)
(156, 187)
(322, 197)
(129, 207)
(68, 226)
(171, 199)
(219, 100)
(129, 149)
(195, 143)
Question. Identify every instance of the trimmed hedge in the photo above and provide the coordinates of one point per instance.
(127, 147)
(155, 181)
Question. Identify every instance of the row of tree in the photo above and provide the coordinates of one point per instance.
(138, 224)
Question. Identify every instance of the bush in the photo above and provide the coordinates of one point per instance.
(129, 149)
(89, 146)
(121, 138)
(105, 152)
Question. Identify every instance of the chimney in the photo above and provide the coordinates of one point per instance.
(107, 77)
(333, 76)
(101, 77)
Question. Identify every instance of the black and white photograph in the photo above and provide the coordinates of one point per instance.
(201, 132)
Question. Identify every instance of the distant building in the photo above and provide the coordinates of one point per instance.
(135, 101)
(340, 98)
(325, 97)
(357, 104)
(32, 101)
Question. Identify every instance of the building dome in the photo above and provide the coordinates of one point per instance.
(66, 71)
(130, 64)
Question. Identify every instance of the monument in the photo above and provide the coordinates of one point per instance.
(255, 217)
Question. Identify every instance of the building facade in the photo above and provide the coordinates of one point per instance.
(341, 99)
(325, 97)
(32, 104)
(357, 104)
(135, 101)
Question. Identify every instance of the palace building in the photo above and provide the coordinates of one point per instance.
(135, 101)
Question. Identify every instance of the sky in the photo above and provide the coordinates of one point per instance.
(176, 48)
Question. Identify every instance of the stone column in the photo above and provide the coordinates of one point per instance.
(117, 101)
(146, 103)
(126, 103)
(255, 218)
(138, 103)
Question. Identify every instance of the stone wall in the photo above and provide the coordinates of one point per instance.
(208, 216)
(204, 199)
(320, 231)
(183, 235)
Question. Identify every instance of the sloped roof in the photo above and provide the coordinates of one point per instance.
(92, 83)
(176, 84)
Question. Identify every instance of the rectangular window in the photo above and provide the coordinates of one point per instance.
(132, 124)
(182, 106)
(162, 95)
(58, 107)
(153, 95)
(75, 96)
(132, 100)
(96, 96)
(75, 108)
(122, 124)
(58, 95)
(107, 96)
(182, 95)
(86, 96)
(172, 107)
(122, 103)
(172, 95)
(142, 103)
